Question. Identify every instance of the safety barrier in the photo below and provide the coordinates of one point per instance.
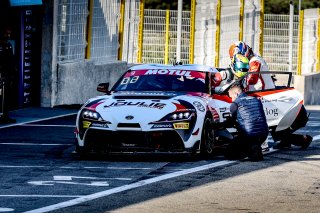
(88, 31)
(276, 41)
(105, 31)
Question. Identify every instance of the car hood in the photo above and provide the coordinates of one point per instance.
(142, 107)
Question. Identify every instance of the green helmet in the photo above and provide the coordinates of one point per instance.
(239, 65)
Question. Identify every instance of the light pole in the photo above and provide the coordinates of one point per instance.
(179, 23)
(291, 35)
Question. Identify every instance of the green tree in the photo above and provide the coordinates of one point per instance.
(283, 6)
(166, 4)
(271, 6)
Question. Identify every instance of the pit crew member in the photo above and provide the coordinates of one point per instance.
(248, 117)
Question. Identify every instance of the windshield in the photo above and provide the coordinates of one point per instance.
(162, 80)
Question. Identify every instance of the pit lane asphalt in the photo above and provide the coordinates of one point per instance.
(39, 172)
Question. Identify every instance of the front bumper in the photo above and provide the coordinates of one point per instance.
(132, 141)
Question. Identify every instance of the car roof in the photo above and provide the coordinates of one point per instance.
(190, 67)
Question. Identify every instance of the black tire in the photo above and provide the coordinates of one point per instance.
(82, 152)
(207, 139)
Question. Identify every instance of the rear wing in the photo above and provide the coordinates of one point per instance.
(276, 80)
(281, 79)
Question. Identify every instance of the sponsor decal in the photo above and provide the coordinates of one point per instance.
(137, 104)
(128, 144)
(86, 124)
(271, 112)
(280, 99)
(185, 73)
(159, 126)
(199, 106)
(99, 125)
(144, 93)
(181, 125)
(169, 72)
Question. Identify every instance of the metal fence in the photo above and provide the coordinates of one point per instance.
(154, 36)
(76, 31)
(219, 26)
(72, 20)
(73, 33)
(276, 42)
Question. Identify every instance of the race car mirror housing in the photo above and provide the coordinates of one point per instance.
(103, 87)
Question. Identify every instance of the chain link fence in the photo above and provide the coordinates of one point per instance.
(154, 36)
(73, 33)
(72, 21)
(276, 42)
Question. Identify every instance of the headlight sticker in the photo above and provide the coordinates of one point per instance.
(160, 126)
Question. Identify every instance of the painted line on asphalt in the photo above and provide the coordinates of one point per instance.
(314, 118)
(37, 120)
(37, 144)
(46, 125)
(119, 168)
(316, 137)
(77, 167)
(129, 186)
(46, 196)
(6, 209)
(8, 166)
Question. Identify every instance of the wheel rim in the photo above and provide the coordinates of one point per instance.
(208, 138)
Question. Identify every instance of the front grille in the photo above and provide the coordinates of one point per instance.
(133, 140)
(129, 125)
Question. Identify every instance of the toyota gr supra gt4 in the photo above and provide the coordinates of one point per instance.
(168, 108)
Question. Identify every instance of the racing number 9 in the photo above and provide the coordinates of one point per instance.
(129, 80)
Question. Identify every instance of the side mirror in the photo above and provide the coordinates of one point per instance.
(103, 87)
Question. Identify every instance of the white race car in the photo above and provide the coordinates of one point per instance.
(167, 108)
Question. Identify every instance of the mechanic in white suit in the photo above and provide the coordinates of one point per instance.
(256, 63)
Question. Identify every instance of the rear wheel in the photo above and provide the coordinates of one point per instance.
(207, 139)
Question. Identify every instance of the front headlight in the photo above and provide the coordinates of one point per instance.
(179, 116)
(91, 115)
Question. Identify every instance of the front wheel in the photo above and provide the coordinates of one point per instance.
(207, 139)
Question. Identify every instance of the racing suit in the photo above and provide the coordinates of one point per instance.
(248, 116)
(259, 82)
(222, 79)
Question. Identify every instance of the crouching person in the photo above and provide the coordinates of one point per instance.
(248, 117)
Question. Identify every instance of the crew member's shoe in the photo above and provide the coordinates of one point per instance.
(306, 141)
(256, 153)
